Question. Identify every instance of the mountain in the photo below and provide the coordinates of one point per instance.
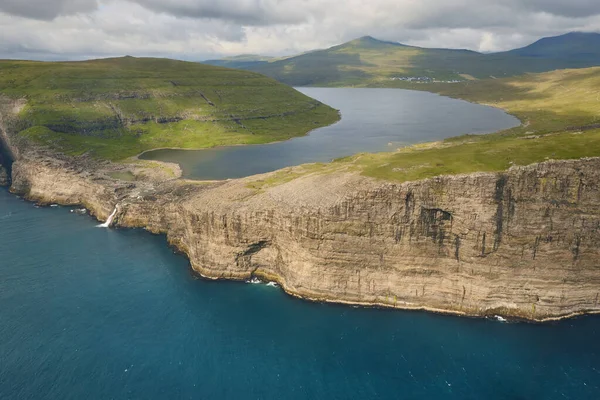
(368, 60)
(577, 46)
(360, 60)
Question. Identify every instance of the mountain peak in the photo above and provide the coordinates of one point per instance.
(370, 41)
(368, 38)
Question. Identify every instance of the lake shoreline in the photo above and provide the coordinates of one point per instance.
(373, 120)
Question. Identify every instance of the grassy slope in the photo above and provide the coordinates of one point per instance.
(116, 108)
(561, 115)
(367, 61)
(560, 111)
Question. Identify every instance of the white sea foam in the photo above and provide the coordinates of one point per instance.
(256, 281)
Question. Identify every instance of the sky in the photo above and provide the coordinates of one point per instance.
(204, 29)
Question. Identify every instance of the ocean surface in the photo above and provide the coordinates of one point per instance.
(95, 313)
(373, 120)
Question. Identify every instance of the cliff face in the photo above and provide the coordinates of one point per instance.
(523, 243)
(50, 181)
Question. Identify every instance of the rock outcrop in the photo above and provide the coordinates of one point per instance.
(523, 243)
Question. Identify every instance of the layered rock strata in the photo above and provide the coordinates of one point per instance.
(522, 243)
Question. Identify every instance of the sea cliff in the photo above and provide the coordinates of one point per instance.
(522, 243)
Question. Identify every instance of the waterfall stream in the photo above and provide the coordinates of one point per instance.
(110, 218)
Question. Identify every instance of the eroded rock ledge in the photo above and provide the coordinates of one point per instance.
(523, 243)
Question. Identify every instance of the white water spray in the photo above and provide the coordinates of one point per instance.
(110, 218)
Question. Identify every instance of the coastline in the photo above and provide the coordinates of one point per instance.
(266, 277)
(147, 218)
(270, 229)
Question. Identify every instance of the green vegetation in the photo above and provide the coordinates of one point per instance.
(116, 108)
(482, 155)
(367, 61)
(560, 111)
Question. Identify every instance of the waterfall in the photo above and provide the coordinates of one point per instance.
(110, 218)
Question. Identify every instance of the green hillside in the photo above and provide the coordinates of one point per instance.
(115, 108)
(560, 115)
(368, 61)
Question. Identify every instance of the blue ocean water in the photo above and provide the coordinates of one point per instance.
(92, 313)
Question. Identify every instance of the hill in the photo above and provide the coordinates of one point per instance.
(115, 108)
(366, 61)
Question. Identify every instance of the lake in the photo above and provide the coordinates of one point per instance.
(373, 120)
(94, 313)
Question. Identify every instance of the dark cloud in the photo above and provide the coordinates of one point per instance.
(46, 9)
(244, 12)
(492, 14)
(425, 13)
(564, 8)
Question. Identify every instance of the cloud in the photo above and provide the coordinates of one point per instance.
(564, 8)
(245, 12)
(200, 29)
(46, 9)
(113, 30)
